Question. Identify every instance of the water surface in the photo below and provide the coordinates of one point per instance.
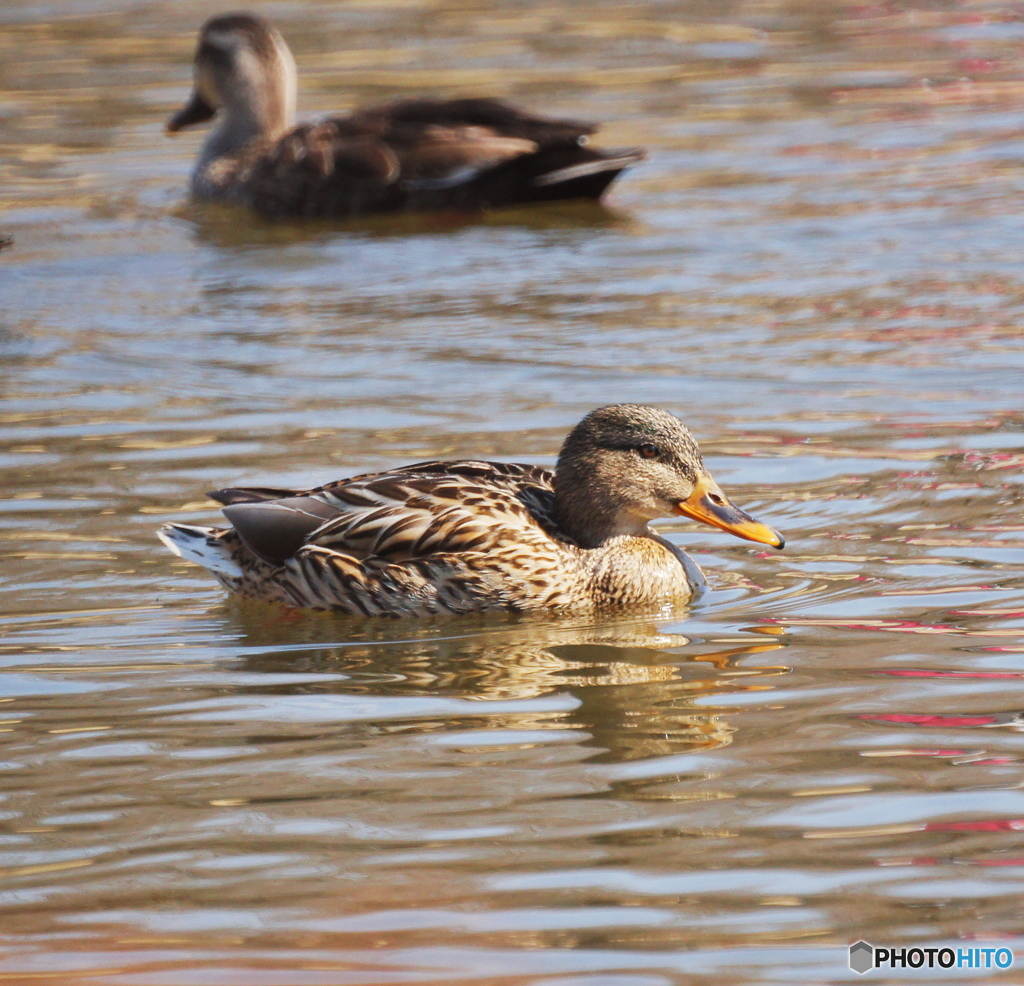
(819, 268)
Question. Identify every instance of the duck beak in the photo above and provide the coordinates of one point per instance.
(708, 504)
(196, 110)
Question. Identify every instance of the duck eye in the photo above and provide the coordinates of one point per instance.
(649, 451)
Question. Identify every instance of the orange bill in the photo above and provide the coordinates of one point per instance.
(708, 504)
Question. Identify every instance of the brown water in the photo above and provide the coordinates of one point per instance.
(819, 268)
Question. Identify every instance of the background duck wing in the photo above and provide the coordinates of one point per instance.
(370, 163)
(561, 165)
(428, 154)
(331, 168)
(497, 116)
(436, 157)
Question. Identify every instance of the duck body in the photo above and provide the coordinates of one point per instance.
(434, 537)
(420, 154)
(460, 537)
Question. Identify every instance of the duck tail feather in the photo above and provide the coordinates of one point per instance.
(202, 545)
(616, 162)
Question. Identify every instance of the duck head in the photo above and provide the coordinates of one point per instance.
(624, 465)
(243, 70)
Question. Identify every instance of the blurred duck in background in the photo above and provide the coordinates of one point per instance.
(468, 536)
(420, 154)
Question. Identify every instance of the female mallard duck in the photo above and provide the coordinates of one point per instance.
(460, 537)
(415, 154)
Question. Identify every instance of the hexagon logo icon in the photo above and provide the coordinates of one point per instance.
(862, 957)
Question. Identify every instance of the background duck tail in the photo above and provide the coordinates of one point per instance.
(587, 179)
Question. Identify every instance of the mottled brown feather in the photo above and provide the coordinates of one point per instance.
(447, 537)
(467, 536)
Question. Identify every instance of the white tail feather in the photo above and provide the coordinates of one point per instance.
(589, 168)
(201, 545)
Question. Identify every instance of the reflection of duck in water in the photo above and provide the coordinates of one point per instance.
(460, 537)
(627, 684)
(416, 154)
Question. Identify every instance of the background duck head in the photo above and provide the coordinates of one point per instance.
(245, 71)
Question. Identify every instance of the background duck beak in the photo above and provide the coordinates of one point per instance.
(196, 110)
(708, 504)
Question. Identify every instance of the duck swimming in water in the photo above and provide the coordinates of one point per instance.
(468, 536)
(420, 154)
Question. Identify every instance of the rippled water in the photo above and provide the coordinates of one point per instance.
(819, 267)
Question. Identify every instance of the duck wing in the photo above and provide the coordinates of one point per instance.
(332, 168)
(559, 165)
(497, 116)
(422, 510)
(351, 166)
(437, 158)
(427, 154)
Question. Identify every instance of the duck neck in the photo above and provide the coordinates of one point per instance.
(260, 107)
(590, 519)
